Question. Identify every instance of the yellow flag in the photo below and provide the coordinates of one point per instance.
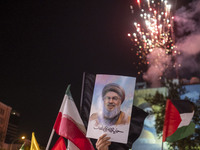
(34, 144)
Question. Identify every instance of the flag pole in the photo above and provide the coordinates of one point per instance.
(50, 138)
(81, 100)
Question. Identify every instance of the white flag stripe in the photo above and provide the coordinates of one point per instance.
(63, 103)
(186, 119)
(71, 110)
(71, 146)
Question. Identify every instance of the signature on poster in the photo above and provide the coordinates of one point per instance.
(108, 129)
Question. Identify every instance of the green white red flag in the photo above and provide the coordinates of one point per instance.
(70, 125)
(178, 120)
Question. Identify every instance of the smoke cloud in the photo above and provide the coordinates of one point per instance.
(187, 21)
(158, 63)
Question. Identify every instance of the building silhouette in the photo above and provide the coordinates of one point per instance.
(13, 127)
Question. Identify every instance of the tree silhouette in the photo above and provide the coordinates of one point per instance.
(158, 101)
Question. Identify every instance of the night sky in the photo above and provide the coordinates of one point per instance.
(46, 45)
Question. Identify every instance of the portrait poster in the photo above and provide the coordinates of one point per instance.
(111, 107)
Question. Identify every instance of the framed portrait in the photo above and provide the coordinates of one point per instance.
(111, 107)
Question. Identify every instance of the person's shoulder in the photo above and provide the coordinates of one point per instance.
(123, 118)
(124, 115)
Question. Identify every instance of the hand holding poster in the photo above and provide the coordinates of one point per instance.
(111, 107)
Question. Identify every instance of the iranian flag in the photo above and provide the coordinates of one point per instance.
(178, 116)
(70, 125)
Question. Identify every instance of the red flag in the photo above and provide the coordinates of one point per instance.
(70, 125)
(60, 144)
(171, 121)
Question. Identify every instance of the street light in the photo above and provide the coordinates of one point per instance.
(26, 142)
(23, 137)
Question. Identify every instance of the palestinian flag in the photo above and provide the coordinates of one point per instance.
(178, 116)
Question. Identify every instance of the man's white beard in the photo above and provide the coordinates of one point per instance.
(111, 114)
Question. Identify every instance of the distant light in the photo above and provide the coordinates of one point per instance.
(167, 20)
(129, 35)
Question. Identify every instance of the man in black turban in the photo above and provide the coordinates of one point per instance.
(113, 96)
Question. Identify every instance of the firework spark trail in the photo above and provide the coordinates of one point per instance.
(154, 38)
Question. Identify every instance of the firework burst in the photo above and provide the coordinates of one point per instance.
(153, 29)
